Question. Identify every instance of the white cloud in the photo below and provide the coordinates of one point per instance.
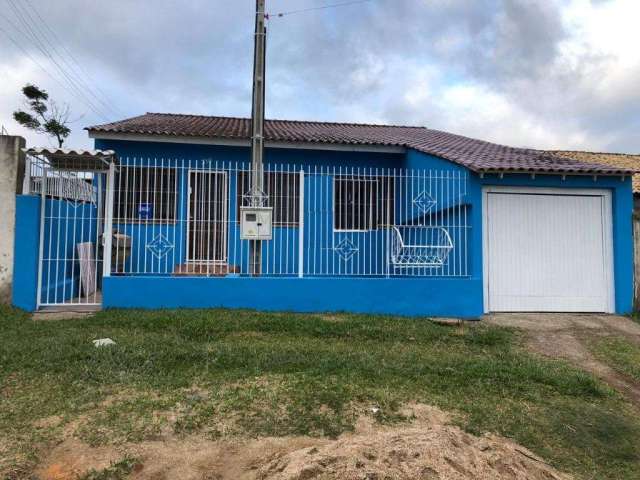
(539, 73)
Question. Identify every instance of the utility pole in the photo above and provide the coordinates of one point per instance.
(257, 129)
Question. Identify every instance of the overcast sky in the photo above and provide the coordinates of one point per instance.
(559, 74)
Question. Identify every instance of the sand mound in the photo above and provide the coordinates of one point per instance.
(426, 449)
(437, 453)
(429, 449)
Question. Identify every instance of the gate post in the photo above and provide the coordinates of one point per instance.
(43, 211)
(107, 235)
(301, 226)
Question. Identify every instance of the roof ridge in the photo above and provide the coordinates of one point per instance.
(308, 122)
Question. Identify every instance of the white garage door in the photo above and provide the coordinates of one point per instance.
(547, 250)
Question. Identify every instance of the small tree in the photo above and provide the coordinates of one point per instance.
(46, 118)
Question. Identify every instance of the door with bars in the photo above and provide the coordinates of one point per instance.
(207, 225)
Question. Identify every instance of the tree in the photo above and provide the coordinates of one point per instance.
(46, 118)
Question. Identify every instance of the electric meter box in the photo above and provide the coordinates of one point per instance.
(256, 223)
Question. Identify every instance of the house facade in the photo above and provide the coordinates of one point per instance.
(342, 217)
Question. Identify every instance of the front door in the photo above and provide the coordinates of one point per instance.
(207, 226)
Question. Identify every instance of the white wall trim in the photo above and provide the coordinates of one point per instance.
(607, 219)
(236, 142)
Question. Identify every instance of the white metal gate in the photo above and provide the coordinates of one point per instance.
(74, 201)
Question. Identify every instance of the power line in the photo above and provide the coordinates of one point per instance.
(90, 83)
(31, 33)
(324, 7)
(38, 38)
(30, 57)
(65, 80)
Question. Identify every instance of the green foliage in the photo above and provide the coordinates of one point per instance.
(46, 118)
(26, 120)
(224, 373)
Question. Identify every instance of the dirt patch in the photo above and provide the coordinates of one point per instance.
(63, 315)
(566, 336)
(427, 448)
(73, 458)
(48, 422)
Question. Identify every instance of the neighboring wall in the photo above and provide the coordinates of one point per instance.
(11, 171)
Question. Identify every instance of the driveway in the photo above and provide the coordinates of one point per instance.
(566, 336)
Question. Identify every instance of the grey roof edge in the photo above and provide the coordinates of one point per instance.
(69, 152)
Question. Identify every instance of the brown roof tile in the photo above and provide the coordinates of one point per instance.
(477, 155)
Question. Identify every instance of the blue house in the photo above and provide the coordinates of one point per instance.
(168, 212)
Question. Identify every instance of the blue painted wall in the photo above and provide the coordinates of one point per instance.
(25, 261)
(273, 156)
(398, 296)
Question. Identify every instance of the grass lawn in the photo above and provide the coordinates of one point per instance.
(224, 373)
(620, 354)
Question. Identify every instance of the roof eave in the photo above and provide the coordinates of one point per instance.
(243, 142)
(561, 172)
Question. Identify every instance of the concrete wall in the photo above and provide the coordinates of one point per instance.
(11, 174)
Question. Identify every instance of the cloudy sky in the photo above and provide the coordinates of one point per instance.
(538, 73)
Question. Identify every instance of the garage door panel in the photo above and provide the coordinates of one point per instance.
(546, 252)
(519, 303)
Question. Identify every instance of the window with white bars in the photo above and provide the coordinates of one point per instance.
(362, 203)
(282, 192)
(145, 194)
